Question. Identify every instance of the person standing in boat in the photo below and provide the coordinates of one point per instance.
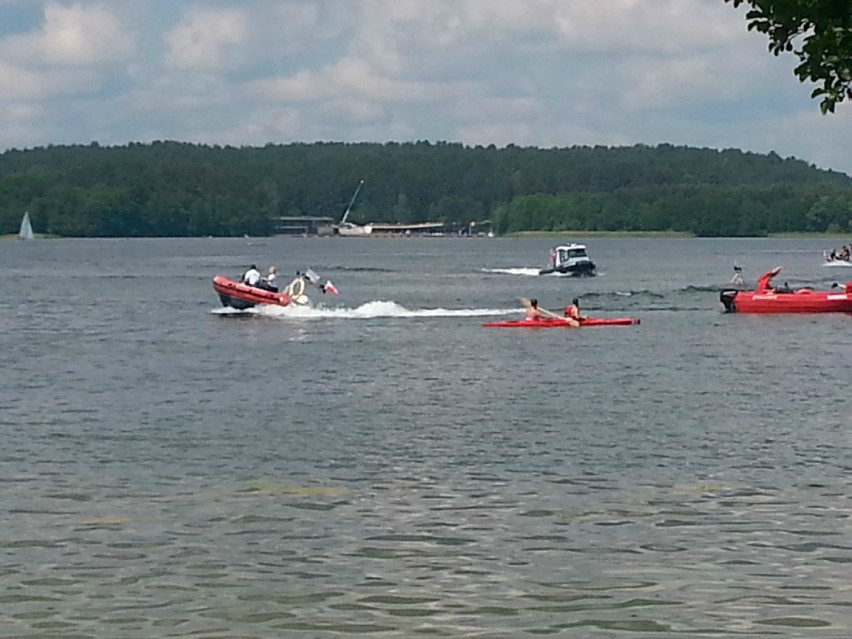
(252, 276)
(532, 313)
(573, 311)
(763, 282)
(737, 279)
(271, 277)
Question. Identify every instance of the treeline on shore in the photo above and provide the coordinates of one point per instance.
(180, 189)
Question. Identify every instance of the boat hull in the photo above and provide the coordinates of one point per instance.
(585, 269)
(240, 296)
(559, 323)
(801, 301)
(353, 230)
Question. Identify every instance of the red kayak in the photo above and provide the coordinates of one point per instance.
(242, 296)
(804, 300)
(559, 323)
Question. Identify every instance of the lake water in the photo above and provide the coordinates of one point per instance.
(382, 465)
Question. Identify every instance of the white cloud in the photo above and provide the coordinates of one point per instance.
(536, 72)
(205, 38)
(630, 26)
(351, 77)
(73, 35)
(477, 108)
(19, 84)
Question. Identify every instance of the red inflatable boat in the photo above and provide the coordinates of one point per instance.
(242, 296)
(545, 322)
(766, 299)
(804, 300)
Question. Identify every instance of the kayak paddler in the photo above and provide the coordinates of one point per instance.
(532, 313)
(763, 282)
(535, 314)
(573, 311)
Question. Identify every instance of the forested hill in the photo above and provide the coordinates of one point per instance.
(177, 189)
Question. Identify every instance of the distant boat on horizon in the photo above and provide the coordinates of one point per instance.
(351, 229)
(26, 232)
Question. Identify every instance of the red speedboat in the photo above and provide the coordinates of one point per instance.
(803, 300)
(242, 296)
(555, 322)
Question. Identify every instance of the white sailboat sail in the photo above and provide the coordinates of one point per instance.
(347, 228)
(26, 232)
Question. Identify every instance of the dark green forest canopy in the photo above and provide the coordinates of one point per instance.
(180, 189)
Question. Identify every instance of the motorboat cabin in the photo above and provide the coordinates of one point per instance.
(569, 259)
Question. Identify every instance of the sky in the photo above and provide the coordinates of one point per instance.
(543, 73)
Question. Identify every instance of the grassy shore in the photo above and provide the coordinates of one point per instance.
(672, 234)
(569, 234)
(842, 238)
(38, 236)
(831, 236)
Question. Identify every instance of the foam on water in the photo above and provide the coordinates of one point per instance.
(369, 310)
(519, 270)
(527, 271)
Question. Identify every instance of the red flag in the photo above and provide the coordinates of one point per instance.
(329, 288)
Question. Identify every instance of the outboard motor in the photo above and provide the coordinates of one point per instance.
(727, 298)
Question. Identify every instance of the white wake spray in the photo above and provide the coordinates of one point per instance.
(525, 271)
(520, 270)
(369, 310)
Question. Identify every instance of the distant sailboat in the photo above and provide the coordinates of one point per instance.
(350, 229)
(26, 232)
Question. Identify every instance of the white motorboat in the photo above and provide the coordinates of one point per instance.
(569, 259)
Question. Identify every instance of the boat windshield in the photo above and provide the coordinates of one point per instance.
(569, 254)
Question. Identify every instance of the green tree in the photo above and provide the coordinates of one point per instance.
(178, 189)
(818, 33)
(402, 210)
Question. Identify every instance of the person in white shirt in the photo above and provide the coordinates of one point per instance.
(252, 276)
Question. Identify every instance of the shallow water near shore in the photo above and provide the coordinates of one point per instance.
(382, 465)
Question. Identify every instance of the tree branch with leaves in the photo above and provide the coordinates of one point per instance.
(818, 33)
